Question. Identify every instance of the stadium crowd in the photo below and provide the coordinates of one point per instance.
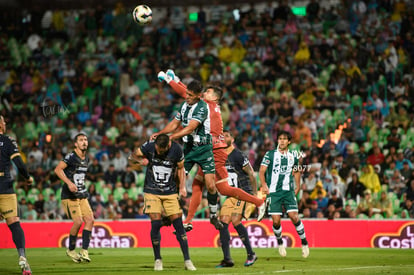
(340, 79)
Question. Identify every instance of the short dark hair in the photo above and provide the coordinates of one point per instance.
(217, 90)
(75, 138)
(195, 86)
(284, 133)
(162, 140)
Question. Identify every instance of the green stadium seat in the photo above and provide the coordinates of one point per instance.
(32, 195)
(47, 192)
(119, 193)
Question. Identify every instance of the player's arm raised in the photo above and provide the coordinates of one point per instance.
(186, 130)
(169, 128)
(136, 159)
(61, 174)
(179, 88)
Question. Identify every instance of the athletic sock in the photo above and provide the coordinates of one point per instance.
(195, 200)
(86, 238)
(212, 202)
(72, 242)
(18, 238)
(181, 237)
(225, 241)
(156, 238)
(278, 233)
(226, 190)
(300, 228)
(244, 236)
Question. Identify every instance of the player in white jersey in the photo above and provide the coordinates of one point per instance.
(279, 176)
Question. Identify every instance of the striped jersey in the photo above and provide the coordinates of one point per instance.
(200, 112)
(279, 175)
(235, 163)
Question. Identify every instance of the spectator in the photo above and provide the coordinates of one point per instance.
(355, 188)
(336, 201)
(383, 205)
(95, 171)
(39, 204)
(322, 201)
(366, 206)
(111, 176)
(370, 179)
(30, 214)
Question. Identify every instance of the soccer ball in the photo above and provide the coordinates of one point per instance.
(142, 14)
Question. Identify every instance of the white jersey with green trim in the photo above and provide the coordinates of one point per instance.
(279, 175)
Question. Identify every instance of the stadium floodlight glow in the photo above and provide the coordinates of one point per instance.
(193, 17)
(300, 11)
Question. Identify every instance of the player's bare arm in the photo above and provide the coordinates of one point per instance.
(61, 174)
(186, 130)
(250, 172)
(136, 159)
(169, 128)
(181, 179)
(262, 172)
(297, 175)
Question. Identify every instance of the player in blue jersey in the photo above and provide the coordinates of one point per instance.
(279, 176)
(8, 199)
(165, 161)
(241, 175)
(72, 171)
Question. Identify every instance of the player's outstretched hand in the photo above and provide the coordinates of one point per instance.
(154, 136)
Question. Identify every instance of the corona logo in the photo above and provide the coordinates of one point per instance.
(103, 237)
(404, 238)
(259, 236)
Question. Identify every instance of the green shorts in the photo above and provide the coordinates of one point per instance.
(277, 202)
(201, 155)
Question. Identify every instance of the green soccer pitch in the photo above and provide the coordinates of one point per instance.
(140, 261)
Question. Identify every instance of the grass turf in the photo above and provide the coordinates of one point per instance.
(140, 260)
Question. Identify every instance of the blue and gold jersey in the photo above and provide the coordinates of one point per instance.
(75, 171)
(8, 150)
(161, 169)
(235, 163)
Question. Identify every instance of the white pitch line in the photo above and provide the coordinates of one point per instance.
(313, 270)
